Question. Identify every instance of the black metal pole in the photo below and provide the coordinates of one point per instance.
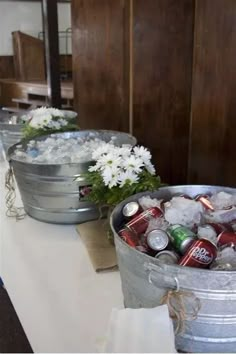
(50, 24)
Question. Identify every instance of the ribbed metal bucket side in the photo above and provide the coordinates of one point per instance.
(145, 280)
(10, 134)
(51, 192)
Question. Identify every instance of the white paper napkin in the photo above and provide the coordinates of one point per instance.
(140, 331)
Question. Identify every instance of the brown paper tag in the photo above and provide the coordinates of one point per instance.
(101, 252)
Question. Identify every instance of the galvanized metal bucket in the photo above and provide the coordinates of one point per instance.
(50, 192)
(11, 133)
(145, 280)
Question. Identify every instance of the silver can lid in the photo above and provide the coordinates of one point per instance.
(130, 209)
(157, 239)
(168, 257)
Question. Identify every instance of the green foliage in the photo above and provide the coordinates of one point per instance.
(103, 195)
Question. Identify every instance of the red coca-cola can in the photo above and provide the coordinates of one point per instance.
(220, 227)
(226, 237)
(129, 237)
(204, 199)
(200, 254)
(140, 222)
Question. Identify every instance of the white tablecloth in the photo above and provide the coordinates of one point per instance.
(63, 305)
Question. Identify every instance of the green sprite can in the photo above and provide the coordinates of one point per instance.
(181, 237)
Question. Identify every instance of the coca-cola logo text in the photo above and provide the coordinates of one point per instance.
(202, 255)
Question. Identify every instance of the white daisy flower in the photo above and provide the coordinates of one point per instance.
(133, 163)
(109, 160)
(127, 177)
(94, 168)
(150, 168)
(143, 153)
(110, 176)
(124, 151)
(62, 122)
(40, 121)
(56, 112)
(101, 150)
(40, 110)
(54, 125)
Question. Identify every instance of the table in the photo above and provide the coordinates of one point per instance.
(62, 303)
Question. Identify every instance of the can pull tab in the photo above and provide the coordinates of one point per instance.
(160, 278)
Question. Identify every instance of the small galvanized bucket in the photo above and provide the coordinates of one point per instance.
(10, 134)
(50, 192)
(11, 129)
(145, 280)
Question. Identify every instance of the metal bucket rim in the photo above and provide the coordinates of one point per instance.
(168, 266)
(13, 147)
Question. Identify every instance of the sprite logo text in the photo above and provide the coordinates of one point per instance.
(202, 255)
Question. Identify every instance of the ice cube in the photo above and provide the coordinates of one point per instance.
(60, 150)
(206, 231)
(221, 216)
(222, 200)
(147, 202)
(183, 211)
(157, 223)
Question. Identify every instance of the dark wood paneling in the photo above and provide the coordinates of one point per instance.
(28, 57)
(8, 90)
(212, 153)
(100, 71)
(6, 67)
(163, 45)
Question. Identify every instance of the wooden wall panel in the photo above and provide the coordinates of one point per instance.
(100, 71)
(212, 150)
(28, 57)
(10, 89)
(6, 67)
(163, 45)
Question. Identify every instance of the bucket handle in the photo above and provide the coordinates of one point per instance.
(160, 278)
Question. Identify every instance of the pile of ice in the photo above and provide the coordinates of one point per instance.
(192, 213)
(60, 150)
(222, 200)
(183, 211)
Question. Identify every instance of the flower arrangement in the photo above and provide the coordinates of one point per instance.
(120, 172)
(42, 121)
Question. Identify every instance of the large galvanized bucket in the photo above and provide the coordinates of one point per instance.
(145, 280)
(50, 192)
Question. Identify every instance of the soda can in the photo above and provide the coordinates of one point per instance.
(200, 254)
(129, 237)
(220, 227)
(139, 223)
(157, 239)
(181, 237)
(131, 209)
(167, 257)
(204, 199)
(226, 237)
